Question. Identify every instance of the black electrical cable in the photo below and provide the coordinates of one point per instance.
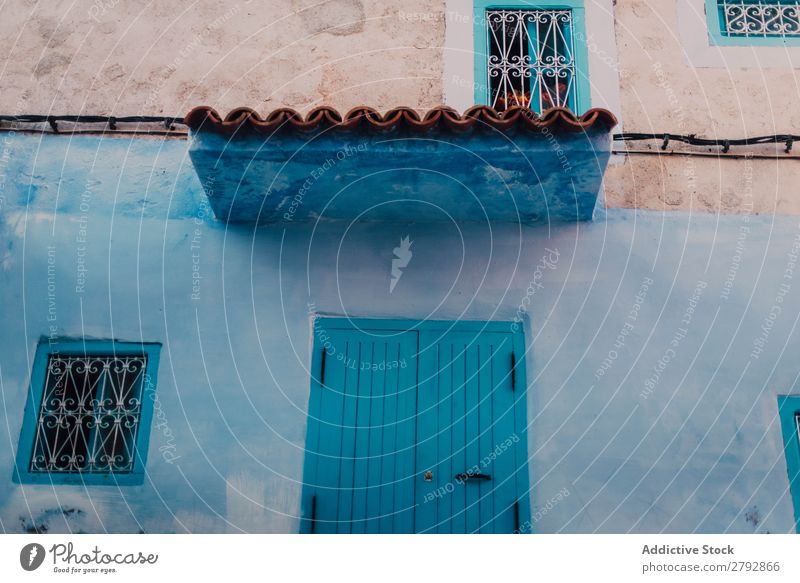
(170, 121)
(112, 121)
(692, 139)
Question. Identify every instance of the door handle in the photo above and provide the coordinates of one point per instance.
(467, 476)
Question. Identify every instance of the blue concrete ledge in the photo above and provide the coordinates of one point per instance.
(516, 175)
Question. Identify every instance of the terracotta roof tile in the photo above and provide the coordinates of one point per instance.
(246, 119)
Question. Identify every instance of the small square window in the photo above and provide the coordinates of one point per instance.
(789, 411)
(88, 412)
(797, 428)
(753, 22)
(759, 18)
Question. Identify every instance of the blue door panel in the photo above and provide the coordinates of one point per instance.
(458, 455)
(329, 448)
(426, 443)
(389, 447)
(473, 430)
(466, 378)
(404, 451)
(444, 457)
(521, 431)
(486, 425)
(375, 446)
(399, 416)
(353, 454)
(505, 463)
(349, 394)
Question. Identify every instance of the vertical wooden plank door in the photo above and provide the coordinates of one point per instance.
(416, 431)
(360, 444)
(470, 434)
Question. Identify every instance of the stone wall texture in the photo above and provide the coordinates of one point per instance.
(663, 91)
(162, 58)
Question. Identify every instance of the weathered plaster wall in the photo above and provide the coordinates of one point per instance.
(124, 58)
(672, 80)
(662, 82)
(699, 448)
(511, 176)
(162, 58)
(643, 439)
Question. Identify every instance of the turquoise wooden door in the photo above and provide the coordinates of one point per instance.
(415, 430)
(471, 422)
(360, 444)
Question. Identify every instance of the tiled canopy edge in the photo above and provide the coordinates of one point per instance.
(286, 119)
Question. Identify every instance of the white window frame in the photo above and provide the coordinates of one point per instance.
(459, 74)
(701, 52)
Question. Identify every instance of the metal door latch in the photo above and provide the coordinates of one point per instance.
(468, 476)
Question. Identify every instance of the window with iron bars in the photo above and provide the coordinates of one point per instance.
(531, 59)
(759, 19)
(789, 412)
(89, 415)
(797, 427)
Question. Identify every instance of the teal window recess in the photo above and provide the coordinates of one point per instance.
(88, 413)
(789, 410)
(532, 54)
(753, 22)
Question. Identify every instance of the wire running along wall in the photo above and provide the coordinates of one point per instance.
(109, 124)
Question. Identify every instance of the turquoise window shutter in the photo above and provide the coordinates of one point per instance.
(789, 411)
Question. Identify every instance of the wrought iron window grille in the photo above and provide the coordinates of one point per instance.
(89, 415)
(759, 19)
(531, 59)
(797, 426)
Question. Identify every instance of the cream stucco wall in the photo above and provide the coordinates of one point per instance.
(161, 58)
(666, 81)
(674, 81)
(698, 449)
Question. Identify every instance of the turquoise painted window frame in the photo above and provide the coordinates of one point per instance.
(716, 38)
(789, 409)
(401, 325)
(80, 347)
(583, 89)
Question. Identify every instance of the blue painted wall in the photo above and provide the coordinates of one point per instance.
(516, 175)
(659, 343)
